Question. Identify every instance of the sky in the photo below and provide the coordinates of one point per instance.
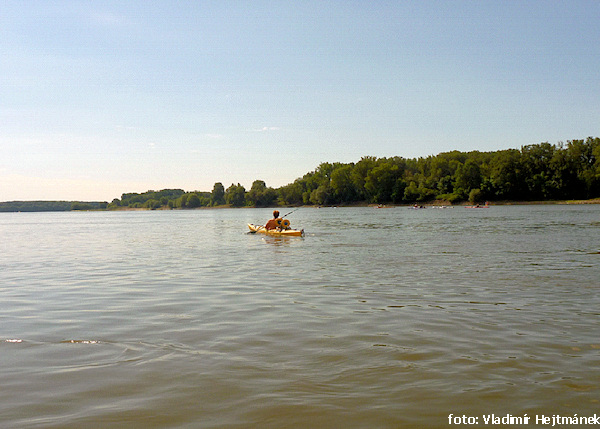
(100, 98)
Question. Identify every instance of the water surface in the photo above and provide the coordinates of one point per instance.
(380, 318)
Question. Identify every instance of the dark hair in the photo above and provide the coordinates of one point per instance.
(275, 213)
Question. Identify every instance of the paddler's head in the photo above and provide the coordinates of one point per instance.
(275, 214)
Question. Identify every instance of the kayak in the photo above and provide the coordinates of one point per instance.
(276, 232)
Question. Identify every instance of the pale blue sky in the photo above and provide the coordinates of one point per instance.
(98, 98)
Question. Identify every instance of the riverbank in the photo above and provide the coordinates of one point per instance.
(558, 202)
(63, 206)
(437, 203)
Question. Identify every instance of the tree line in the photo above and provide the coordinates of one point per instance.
(50, 206)
(236, 196)
(536, 172)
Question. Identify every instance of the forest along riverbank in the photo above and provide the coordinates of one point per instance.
(49, 206)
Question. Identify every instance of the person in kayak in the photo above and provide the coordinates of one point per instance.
(272, 223)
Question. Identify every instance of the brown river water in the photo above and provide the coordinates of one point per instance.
(377, 318)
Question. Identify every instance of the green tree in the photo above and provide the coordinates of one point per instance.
(152, 204)
(507, 175)
(380, 182)
(292, 193)
(536, 161)
(475, 196)
(411, 192)
(182, 201)
(342, 187)
(594, 173)
(468, 176)
(359, 175)
(217, 197)
(193, 201)
(321, 195)
(261, 196)
(235, 195)
(583, 157)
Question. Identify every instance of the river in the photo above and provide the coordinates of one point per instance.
(377, 318)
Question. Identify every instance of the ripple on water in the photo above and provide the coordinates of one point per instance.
(179, 319)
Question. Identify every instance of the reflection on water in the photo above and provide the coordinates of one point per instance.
(394, 318)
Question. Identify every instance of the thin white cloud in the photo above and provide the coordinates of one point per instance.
(265, 129)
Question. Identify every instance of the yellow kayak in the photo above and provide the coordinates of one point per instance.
(277, 232)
